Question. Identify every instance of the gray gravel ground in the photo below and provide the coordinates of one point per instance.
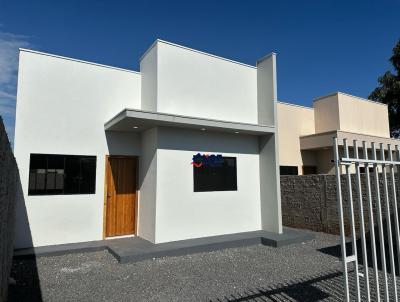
(256, 273)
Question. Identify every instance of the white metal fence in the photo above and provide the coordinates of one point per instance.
(372, 284)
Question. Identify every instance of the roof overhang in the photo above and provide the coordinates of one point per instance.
(134, 120)
(325, 140)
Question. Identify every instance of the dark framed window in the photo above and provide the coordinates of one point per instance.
(308, 170)
(362, 170)
(216, 177)
(54, 174)
(289, 170)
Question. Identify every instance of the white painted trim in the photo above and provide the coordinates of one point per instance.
(325, 96)
(174, 118)
(320, 134)
(395, 140)
(119, 237)
(148, 49)
(76, 60)
(267, 56)
(295, 105)
(368, 135)
(194, 50)
(353, 96)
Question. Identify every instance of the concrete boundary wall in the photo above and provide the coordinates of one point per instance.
(8, 187)
(309, 201)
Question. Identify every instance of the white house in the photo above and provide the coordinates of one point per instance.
(185, 148)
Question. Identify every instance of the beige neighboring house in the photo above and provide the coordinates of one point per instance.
(305, 134)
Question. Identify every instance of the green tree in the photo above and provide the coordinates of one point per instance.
(388, 92)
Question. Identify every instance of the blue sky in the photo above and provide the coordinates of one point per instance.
(321, 46)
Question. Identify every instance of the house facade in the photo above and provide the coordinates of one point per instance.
(185, 148)
(305, 134)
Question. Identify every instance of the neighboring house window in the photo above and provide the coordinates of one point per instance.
(220, 177)
(288, 170)
(362, 170)
(51, 174)
(307, 170)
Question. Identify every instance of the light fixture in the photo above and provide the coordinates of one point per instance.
(203, 129)
(135, 127)
(237, 132)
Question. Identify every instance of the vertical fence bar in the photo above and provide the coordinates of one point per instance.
(362, 223)
(341, 223)
(388, 222)
(371, 222)
(351, 219)
(380, 223)
(394, 203)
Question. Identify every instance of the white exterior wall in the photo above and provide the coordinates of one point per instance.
(62, 105)
(270, 191)
(196, 84)
(148, 185)
(148, 71)
(266, 90)
(181, 212)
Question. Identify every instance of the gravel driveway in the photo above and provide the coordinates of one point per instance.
(298, 272)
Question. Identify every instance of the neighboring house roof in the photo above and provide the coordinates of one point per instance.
(346, 94)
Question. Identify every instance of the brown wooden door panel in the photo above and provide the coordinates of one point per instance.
(121, 196)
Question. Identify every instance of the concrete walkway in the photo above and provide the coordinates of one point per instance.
(134, 249)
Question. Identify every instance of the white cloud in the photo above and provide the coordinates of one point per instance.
(9, 44)
(5, 95)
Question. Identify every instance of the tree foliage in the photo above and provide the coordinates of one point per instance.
(388, 92)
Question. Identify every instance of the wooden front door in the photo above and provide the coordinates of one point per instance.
(120, 196)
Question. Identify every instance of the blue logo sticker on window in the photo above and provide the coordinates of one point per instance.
(211, 160)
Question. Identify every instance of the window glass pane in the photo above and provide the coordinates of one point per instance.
(88, 173)
(51, 179)
(40, 179)
(55, 161)
(288, 170)
(307, 170)
(215, 177)
(72, 174)
(55, 174)
(32, 180)
(37, 174)
(60, 179)
(38, 161)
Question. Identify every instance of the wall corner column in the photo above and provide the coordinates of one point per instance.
(270, 193)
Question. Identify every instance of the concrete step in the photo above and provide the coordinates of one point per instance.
(134, 249)
(125, 252)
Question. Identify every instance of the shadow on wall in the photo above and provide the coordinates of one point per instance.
(11, 199)
(122, 143)
(129, 144)
(203, 141)
(24, 269)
